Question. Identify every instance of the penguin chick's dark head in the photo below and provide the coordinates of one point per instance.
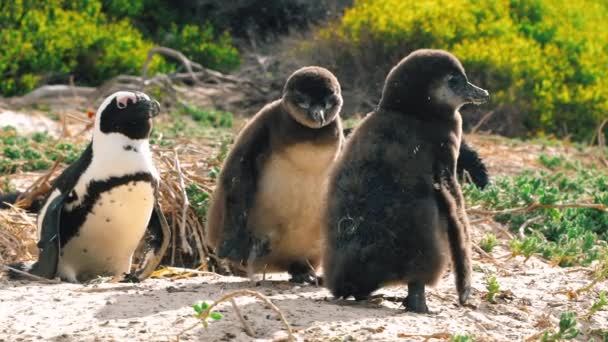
(127, 113)
(428, 79)
(312, 96)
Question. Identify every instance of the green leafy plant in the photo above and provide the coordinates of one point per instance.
(488, 242)
(493, 288)
(600, 304)
(32, 153)
(548, 220)
(199, 309)
(210, 117)
(199, 199)
(568, 329)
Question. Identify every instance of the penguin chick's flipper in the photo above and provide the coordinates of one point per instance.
(469, 160)
(158, 236)
(450, 197)
(244, 165)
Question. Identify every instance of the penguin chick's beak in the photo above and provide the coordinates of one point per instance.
(475, 94)
(317, 113)
(154, 108)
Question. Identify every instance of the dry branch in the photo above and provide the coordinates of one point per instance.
(248, 329)
(51, 91)
(171, 53)
(483, 120)
(528, 222)
(40, 187)
(535, 206)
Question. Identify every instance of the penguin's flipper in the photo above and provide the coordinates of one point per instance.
(469, 160)
(244, 165)
(158, 236)
(46, 266)
(451, 200)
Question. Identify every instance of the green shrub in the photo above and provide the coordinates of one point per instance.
(32, 153)
(567, 236)
(203, 46)
(545, 58)
(47, 41)
(209, 117)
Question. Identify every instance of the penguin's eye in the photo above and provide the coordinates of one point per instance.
(454, 80)
(303, 104)
(331, 101)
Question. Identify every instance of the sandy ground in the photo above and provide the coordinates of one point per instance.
(161, 309)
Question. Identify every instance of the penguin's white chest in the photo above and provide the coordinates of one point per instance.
(110, 233)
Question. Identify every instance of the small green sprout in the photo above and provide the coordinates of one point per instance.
(567, 329)
(600, 304)
(462, 338)
(488, 242)
(493, 289)
(200, 308)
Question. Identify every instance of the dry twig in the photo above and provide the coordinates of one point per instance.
(528, 222)
(248, 329)
(483, 120)
(535, 206)
(31, 276)
(249, 293)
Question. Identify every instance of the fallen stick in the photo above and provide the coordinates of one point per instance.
(535, 206)
(31, 276)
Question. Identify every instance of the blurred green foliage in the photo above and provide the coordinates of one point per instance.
(568, 236)
(32, 153)
(545, 58)
(48, 40)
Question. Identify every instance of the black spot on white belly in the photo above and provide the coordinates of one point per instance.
(129, 148)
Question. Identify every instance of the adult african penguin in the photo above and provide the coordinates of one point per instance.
(102, 205)
(266, 209)
(395, 211)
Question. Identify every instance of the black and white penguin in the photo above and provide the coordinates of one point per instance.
(102, 205)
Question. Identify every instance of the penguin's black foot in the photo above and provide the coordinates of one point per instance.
(415, 300)
(130, 277)
(301, 273)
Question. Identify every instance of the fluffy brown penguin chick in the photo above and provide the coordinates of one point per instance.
(395, 210)
(266, 209)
